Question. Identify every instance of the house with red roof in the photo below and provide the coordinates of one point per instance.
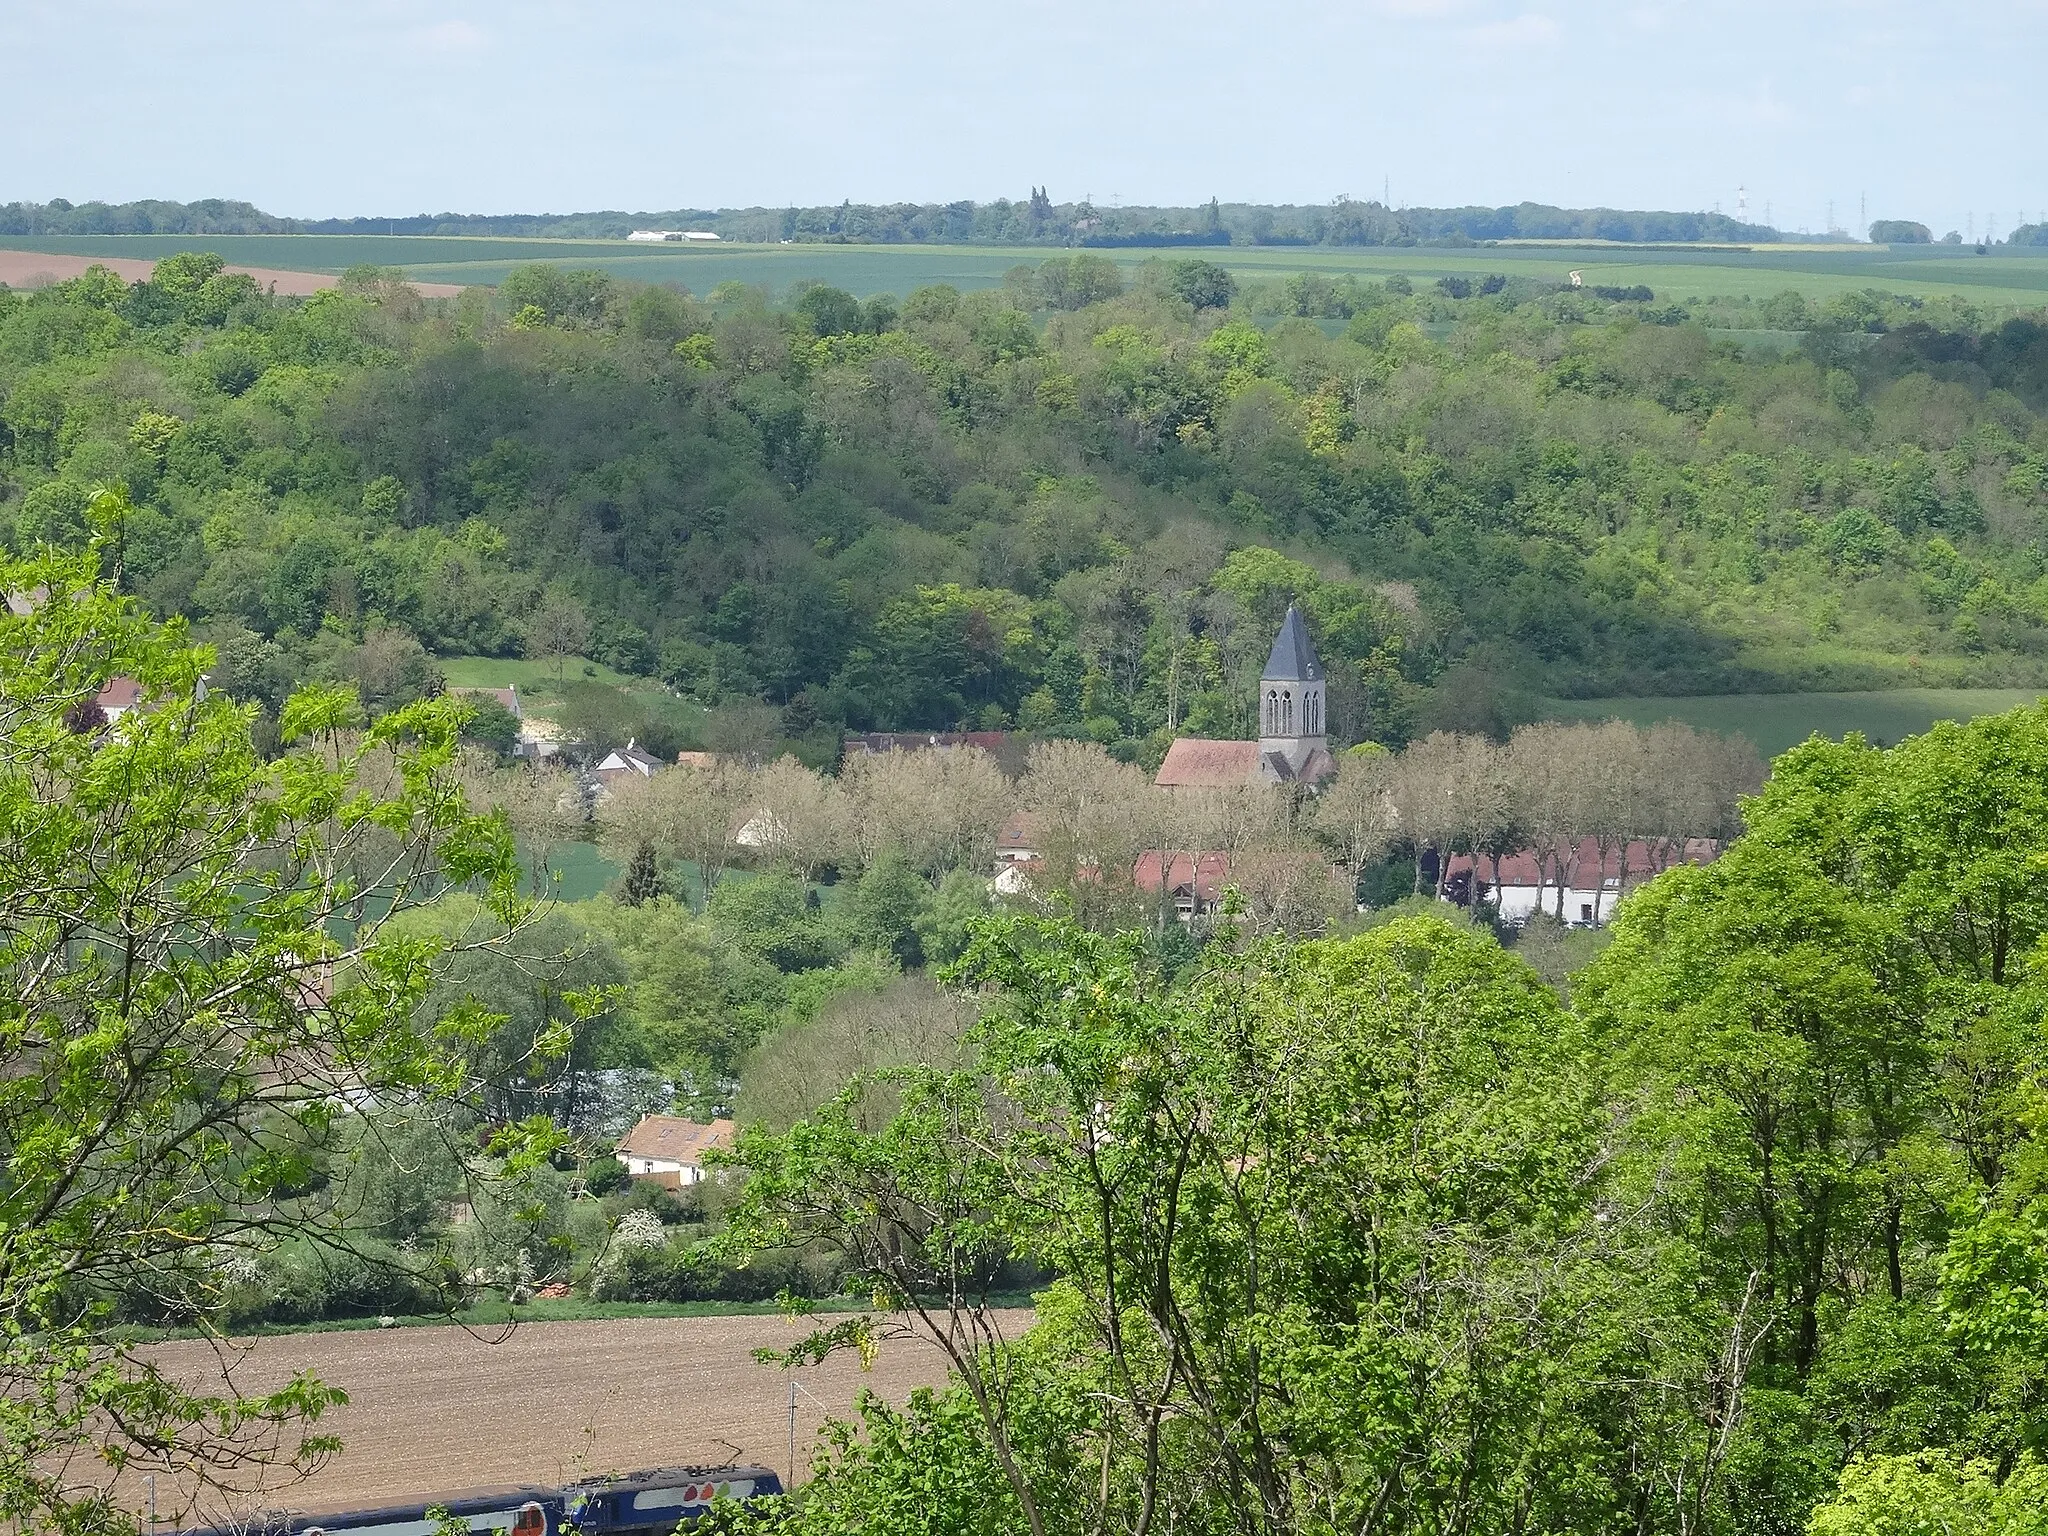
(1579, 885)
(1192, 881)
(669, 1150)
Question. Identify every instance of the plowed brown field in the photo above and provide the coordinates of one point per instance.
(439, 1409)
(30, 269)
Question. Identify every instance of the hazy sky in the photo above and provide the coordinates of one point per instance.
(1934, 110)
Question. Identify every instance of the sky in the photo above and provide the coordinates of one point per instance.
(317, 108)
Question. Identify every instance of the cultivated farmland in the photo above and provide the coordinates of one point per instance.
(2006, 278)
(437, 1409)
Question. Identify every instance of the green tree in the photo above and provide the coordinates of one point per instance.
(643, 876)
(886, 907)
(1277, 1313)
(1203, 284)
(197, 974)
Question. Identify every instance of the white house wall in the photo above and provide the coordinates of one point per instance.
(1518, 903)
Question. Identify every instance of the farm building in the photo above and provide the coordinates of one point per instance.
(670, 1150)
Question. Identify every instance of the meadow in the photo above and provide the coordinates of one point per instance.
(2000, 279)
(1776, 721)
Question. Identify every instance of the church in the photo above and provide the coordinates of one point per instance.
(1292, 747)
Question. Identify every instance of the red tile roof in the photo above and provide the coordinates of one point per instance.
(1587, 871)
(672, 1139)
(1209, 872)
(1192, 763)
(120, 693)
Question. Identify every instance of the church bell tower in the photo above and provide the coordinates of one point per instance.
(1292, 745)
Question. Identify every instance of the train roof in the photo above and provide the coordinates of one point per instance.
(412, 1512)
(661, 1477)
(464, 1501)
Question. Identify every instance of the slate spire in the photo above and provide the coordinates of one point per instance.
(1294, 658)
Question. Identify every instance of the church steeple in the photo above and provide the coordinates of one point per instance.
(1291, 702)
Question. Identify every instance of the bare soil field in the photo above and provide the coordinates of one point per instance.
(433, 1410)
(33, 269)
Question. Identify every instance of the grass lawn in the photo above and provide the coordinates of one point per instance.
(534, 677)
(580, 871)
(542, 694)
(2016, 278)
(1775, 721)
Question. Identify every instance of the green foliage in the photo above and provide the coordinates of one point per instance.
(1932, 1494)
(946, 926)
(195, 957)
(887, 909)
(1193, 1164)
(1498, 497)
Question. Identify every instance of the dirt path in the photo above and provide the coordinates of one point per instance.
(33, 269)
(439, 1409)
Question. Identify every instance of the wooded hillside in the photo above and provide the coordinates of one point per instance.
(1060, 505)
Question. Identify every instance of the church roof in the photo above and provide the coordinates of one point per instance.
(1193, 763)
(1294, 658)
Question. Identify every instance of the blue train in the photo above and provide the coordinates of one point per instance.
(651, 1503)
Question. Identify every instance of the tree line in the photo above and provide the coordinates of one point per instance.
(1088, 819)
(1002, 221)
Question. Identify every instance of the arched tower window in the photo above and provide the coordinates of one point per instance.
(1286, 712)
(1272, 727)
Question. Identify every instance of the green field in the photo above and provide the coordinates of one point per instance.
(2002, 279)
(1775, 721)
(530, 677)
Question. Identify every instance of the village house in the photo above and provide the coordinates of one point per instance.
(1592, 882)
(669, 1150)
(120, 695)
(535, 740)
(620, 761)
(1192, 882)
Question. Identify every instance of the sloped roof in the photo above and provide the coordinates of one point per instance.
(1293, 658)
(119, 693)
(1315, 768)
(1020, 829)
(1193, 763)
(672, 1139)
(629, 758)
(1202, 877)
(1587, 869)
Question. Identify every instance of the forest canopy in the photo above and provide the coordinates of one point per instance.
(1072, 505)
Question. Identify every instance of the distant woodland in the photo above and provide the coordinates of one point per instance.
(1036, 220)
(1064, 505)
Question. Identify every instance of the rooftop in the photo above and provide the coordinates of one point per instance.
(1193, 763)
(1293, 658)
(672, 1139)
